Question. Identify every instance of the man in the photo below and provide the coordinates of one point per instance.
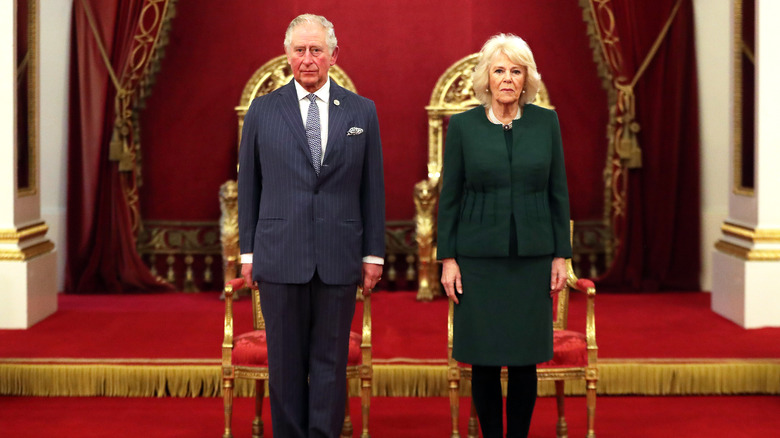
(311, 226)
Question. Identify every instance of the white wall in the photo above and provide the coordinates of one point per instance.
(713, 22)
(55, 36)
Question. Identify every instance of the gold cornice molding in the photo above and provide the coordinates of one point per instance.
(748, 254)
(24, 254)
(766, 235)
(24, 233)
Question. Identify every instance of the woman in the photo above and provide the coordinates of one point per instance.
(503, 232)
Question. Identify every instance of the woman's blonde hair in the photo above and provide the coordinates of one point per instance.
(517, 50)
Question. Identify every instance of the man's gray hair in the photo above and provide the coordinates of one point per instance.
(330, 38)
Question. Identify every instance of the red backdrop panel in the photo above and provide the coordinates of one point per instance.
(393, 51)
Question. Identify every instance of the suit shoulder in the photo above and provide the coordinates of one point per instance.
(363, 101)
(471, 116)
(537, 111)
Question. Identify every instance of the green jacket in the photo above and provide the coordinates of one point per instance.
(481, 189)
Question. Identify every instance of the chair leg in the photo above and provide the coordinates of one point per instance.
(257, 424)
(227, 396)
(365, 393)
(473, 421)
(346, 429)
(562, 429)
(591, 399)
(454, 406)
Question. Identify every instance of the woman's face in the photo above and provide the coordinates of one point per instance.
(507, 80)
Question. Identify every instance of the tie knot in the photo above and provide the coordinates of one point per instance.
(311, 97)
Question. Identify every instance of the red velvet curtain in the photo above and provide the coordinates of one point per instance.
(656, 207)
(101, 254)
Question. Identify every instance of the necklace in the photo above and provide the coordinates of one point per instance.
(493, 119)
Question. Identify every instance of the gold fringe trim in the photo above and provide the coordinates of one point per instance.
(617, 377)
(55, 380)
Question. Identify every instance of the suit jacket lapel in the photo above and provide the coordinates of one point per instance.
(291, 112)
(337, 119)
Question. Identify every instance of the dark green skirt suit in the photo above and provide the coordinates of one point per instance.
(504, 215)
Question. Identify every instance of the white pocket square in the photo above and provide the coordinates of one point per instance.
(354, 131)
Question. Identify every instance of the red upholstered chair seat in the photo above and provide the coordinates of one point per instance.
(250, 349)
(569, 350)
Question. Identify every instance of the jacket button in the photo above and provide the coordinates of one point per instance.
(316, 192)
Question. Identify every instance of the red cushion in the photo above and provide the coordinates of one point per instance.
(355, 355)
(250, 349)
(569, 350)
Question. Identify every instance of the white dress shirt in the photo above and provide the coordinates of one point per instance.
(323, 101)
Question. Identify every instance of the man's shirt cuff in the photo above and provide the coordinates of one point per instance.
(374, 260)
(246, 258)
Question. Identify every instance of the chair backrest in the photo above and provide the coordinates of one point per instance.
(270, 76)
(453, 94)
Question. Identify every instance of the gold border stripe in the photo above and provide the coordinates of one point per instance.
(24, 233)
(747, 253)
(767, 235)
(28, 253)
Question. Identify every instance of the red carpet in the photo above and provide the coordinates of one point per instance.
(189, 326)
(396, 417)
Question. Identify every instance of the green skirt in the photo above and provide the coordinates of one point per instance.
(505, 313)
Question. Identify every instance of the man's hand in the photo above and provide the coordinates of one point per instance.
(246, 274)
(372, 273)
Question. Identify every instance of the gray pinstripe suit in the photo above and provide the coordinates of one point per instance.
(308, 234)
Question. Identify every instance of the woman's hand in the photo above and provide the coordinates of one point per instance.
(558, 275)
(450, 278)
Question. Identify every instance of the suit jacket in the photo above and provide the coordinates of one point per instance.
(295, 221)
(482, 189)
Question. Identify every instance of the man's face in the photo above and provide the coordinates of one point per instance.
(309, 57)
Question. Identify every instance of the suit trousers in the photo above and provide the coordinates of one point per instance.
(307, 327)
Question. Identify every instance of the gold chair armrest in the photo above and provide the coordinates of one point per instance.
(227, 341)
(589, 289)
(366, 369)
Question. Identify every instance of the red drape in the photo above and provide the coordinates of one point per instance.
(657, 223)
(101, 245)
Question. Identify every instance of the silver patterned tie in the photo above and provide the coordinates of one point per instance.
(313, 134)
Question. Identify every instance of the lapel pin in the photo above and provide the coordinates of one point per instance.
(336, 102)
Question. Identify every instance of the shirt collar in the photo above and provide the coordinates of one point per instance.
(493, 119)
(323, 93)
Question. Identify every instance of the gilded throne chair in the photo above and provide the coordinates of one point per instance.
(245, 355)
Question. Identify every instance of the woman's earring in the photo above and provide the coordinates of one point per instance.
(524, 91)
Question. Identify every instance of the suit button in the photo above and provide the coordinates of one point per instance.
(316, 192)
